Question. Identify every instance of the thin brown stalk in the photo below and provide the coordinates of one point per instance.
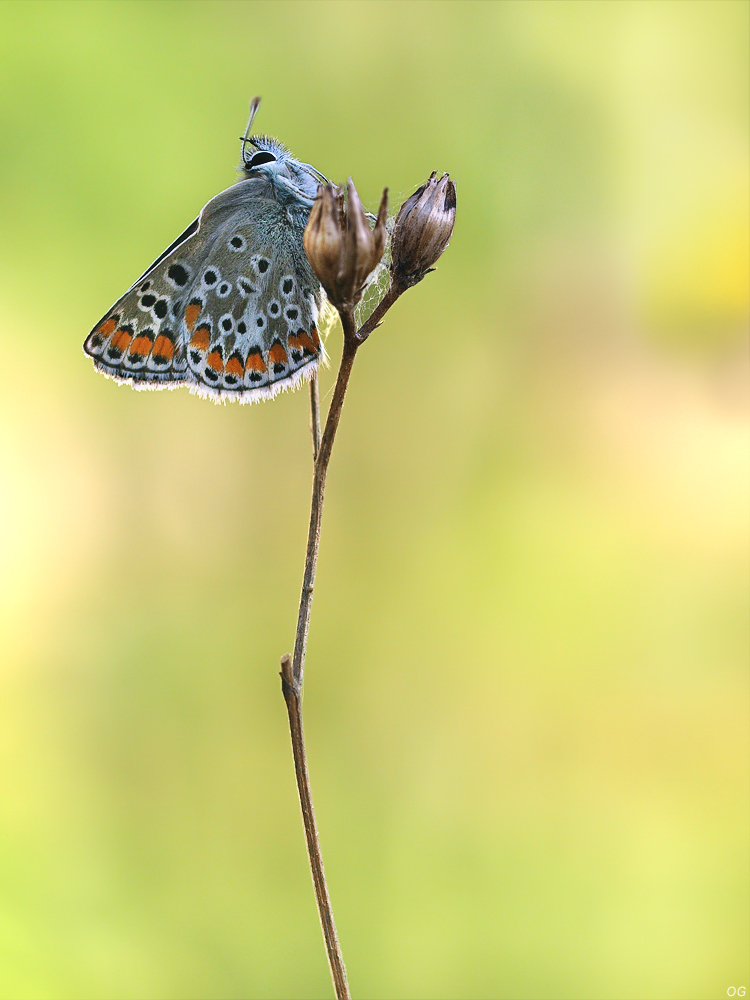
(318, 493)
(292, 668)
(293, 699)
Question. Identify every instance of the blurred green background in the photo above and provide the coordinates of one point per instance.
(526, 699)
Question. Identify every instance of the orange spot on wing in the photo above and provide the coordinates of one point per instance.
(141, 345)
(255, 362)
(214, 361)
(121, 340)
(201, 338)
(234, 367)
(315, 337)
(304, 342)
(107, 327)
(277, 355)
(192, 313)
(163, 348)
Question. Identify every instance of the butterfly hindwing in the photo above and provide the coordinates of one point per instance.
(230, 310)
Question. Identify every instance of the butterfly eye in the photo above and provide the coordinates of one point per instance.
(262, 157)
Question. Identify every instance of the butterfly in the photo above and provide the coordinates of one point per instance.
(231, 308)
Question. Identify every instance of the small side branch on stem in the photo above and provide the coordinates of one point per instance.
(315, 414)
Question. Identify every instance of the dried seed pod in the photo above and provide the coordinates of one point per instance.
(342, 248)
(422, 230)
(323, 237)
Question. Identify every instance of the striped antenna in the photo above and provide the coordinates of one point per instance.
(254, 105)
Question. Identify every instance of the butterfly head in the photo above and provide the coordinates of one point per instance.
(264, 156)
(261, 150)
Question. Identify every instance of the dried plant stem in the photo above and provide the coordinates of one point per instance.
(318, 493)
(343, 250)
(292, 668)
(293, 699)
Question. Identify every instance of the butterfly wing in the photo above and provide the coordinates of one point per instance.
(230, 309)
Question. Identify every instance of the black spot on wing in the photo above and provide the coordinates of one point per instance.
(178, 275)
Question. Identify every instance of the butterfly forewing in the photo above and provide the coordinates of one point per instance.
(231, 310)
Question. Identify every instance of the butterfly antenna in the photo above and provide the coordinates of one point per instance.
(254, 105)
